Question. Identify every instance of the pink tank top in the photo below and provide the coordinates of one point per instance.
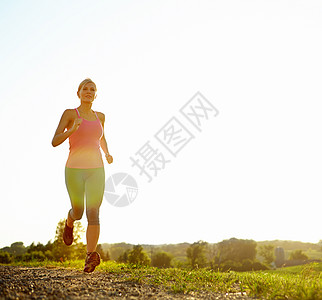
(84, 145)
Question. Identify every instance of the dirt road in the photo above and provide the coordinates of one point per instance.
(62, 283)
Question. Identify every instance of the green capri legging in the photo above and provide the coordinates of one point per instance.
(89, 183)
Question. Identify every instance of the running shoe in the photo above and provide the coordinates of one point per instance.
(92, 260)
(68, 235)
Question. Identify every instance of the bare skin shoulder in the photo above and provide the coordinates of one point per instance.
(101, 117)
(71, 116)
(67, 121)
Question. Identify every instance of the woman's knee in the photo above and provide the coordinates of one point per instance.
(76, 213)
(93, 216)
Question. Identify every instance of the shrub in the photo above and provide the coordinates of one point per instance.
(34, 255)
(180, 263)
(138, 256)
(245, 265)
(124, 257)
(38, 255)
(49, 255)
(26, 257)
(230, 265)
(5, 257)
(257, 266)
(161, 260)
(298, 255)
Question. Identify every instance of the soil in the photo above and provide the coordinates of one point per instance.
(63, 283)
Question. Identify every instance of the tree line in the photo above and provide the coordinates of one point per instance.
(55, 250)
(232, 254)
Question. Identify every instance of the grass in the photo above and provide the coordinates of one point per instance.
(300, 282)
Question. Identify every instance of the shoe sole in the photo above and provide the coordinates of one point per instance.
(90, 269)
(67, 243)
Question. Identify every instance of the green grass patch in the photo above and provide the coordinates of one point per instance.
(301, 282)
(313, 267)
(73, 264)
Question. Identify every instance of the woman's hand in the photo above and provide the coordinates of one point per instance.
(109, 158)
(76, 124)
(61, 135)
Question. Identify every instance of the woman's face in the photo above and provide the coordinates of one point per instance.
(87, 92)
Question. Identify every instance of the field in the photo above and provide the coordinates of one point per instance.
(301, 282)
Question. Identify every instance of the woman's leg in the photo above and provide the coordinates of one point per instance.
(92, 235)
(76, 188)
(94, 191)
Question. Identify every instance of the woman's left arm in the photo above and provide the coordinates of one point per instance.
(103, 142)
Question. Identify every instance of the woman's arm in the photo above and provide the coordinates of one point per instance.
(103, 142)
(104, 145)
(61, 135)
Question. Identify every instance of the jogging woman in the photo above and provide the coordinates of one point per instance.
(84, 170)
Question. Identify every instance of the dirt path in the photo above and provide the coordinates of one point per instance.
(59, 283)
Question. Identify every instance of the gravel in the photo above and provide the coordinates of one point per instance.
(62, 283)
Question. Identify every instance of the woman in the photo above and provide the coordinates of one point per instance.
(84, 170)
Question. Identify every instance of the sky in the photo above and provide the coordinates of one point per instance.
(253, 170)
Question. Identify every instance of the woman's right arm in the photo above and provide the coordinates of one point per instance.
(61, 135)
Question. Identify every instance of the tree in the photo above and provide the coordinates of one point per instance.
(117, 250)
(320, 245)
(76, 250)
(138, 256)
(161, 260)
(15, 249)
(38, 247)
(124, 257)
(267, 251)
(196, 254)
(37, 252)
(212, 253)
(105, 256)
(236, 250)
(298, 255)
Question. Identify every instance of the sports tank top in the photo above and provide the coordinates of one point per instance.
(84, 145)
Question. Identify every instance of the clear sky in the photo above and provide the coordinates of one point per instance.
(253, 172)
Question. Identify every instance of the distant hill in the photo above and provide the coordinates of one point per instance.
(292, 245)
(178, 251)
